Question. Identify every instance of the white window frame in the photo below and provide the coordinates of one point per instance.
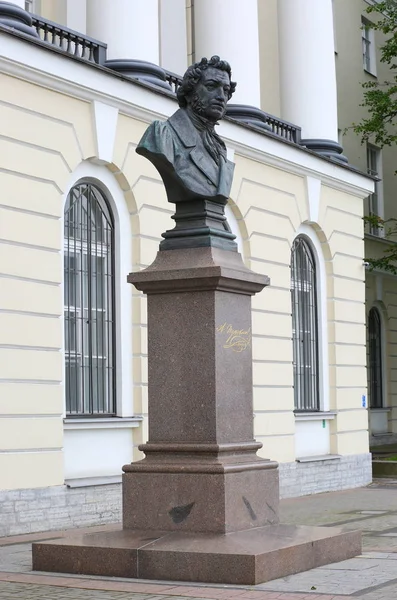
(300, 367)
(376, 200)
(368, 47)
(102, 178)
(31, 6)
(322, 325)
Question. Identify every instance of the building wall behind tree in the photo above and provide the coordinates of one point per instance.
(381, 289)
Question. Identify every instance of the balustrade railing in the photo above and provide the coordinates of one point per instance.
(94, 51)
(71, 42)
(284, 129)
(173, 79)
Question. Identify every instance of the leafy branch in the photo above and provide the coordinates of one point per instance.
(380, 98)
(387, 262)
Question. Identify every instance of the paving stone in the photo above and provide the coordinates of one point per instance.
(370, 577)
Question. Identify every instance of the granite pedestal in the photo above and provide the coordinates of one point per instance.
(201, 506)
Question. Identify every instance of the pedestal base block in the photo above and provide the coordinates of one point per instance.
(201, 502)
(242, 558)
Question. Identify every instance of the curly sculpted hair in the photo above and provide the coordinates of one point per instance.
(194, 74)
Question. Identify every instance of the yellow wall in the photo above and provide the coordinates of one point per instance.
(46, 135)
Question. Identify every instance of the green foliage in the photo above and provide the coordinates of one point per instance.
(380, 97)
(380, 124)
(387, 262)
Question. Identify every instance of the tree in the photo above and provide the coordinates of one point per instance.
(380, 98)
(380, 124)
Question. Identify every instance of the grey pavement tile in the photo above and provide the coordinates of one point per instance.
(16, 559)
(388, 592)
(16, 591)
(380, 555)
(361, 563)
(353, 576)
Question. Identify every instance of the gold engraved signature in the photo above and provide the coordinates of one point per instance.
(237, 340)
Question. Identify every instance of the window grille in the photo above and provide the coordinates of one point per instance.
(89, 303)
(304, 327)
(375, 359)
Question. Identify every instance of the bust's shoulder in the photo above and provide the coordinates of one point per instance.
(157, 127)
(156, 136)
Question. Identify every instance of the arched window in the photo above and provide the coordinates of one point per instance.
(304, 327)
(375, 359)
(89, 303)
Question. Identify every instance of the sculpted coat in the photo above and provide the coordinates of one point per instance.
(176, 149)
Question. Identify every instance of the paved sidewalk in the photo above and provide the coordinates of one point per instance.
(372, 576)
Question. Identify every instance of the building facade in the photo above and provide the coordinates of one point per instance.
(81, 209)
(357, 58)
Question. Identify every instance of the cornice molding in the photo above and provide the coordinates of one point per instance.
(41, 66)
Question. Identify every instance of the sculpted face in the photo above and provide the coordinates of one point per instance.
(210, 97)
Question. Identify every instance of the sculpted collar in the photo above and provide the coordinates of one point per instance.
(187, 124)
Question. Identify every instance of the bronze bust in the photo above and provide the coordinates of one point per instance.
(191, 157)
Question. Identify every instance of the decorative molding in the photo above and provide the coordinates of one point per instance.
(91, 481)
(15, 17)
(316, 416)
(313, 189)
(78, 79)
(307, 459)
(102, 423)
(327, 148)
(294, 159)
(105, 123)
(230, 153)
(248, 114)
(41, 66)
(379, 288)
(141, 70)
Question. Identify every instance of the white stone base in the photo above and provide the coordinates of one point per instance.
(317, 476)
(61, 507)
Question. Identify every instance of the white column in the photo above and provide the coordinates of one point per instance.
(173, 49)
(76, 15)
(229, 28)
(129, 27)
(307, 67)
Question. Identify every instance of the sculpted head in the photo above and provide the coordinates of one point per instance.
(206, 88)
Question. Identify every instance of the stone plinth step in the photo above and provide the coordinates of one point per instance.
(245, 557)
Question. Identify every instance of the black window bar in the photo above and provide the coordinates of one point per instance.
(304, 327)
(375, 359)
(89, 304)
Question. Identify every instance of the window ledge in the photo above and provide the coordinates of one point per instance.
(378, 238)
(380, 410)
(307, 459)
(90, 481)
(328, 415)
(373, 74)
(103, 423)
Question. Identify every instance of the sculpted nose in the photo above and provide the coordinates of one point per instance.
(221, 95)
